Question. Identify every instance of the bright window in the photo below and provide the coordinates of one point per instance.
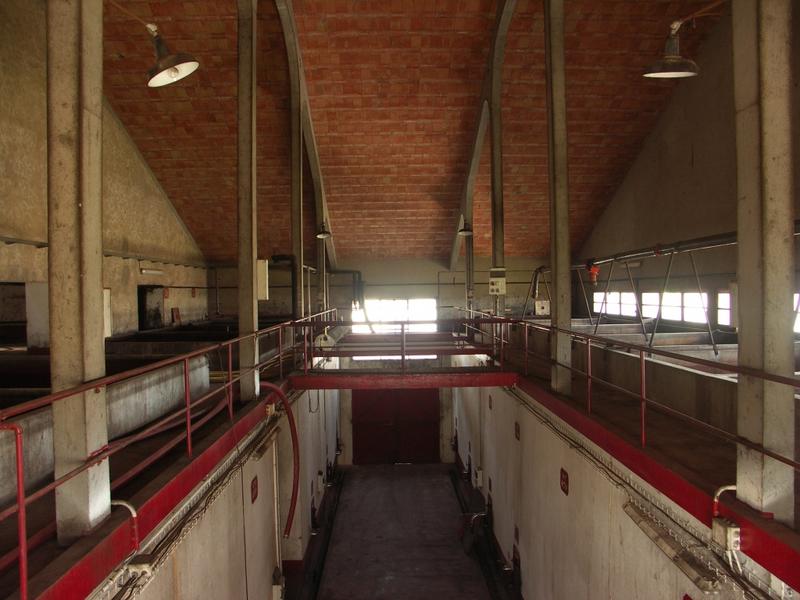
(724, 308)
(671, 306)
(797, 317)
(650, 304)
(386, 315)
(694, 307)
(628, 304)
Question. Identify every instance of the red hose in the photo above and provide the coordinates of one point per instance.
(295, 453)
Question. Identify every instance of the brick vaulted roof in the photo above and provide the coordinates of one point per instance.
(393, 88)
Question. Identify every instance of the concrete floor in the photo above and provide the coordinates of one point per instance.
(396, 537)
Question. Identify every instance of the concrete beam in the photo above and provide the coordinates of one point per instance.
(558, 184)
(75, 256)
(247, 197)
(489, 114)
(762, 41)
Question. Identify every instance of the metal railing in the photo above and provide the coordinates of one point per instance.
(195, 413)
(589, 340)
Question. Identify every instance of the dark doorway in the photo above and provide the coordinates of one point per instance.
(13, 319)
(151, 306)
(395, 426)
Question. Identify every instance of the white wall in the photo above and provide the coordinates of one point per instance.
(231, 551)
(571, 546)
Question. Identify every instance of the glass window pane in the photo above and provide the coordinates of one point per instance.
(628, 304)
(692, 314)
(672, 299)
(695, 300)
(724, 300)
(597, 299)
(650, 298)
(612, 305)
(422, 309)
(671, 313)
(724, 316)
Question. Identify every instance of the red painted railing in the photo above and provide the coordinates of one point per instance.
(500, 336)
(194, 414)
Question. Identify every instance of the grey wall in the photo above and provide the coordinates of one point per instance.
(138, 217)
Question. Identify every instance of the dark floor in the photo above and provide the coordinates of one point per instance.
(396, 538)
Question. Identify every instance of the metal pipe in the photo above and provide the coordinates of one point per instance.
(265, 385)
(585, 298)
(703, 302)
(22, 521)
(638, 304)
(694, 244)
(661, 299)
(643, 395)
(187, 393)
(134, 520)
(717, 494)
(605, 297)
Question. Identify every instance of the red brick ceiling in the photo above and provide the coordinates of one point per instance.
(393, 88)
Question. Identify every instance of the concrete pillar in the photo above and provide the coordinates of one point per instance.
(765, 272)
(561, 293)
(75, 256)
(297, 204)
(498, 269)
(248, 206)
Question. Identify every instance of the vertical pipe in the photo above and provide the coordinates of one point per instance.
(643, 395)
(311, 345)
(588, 375)
(661, 299)
(585, 298)
(22, 520)
(280, 353)
(187, 394)
(703, 302)
(230, 381)
(605, 297)
(638, 304)
(525, 325)
(305, 350)
(403, 347)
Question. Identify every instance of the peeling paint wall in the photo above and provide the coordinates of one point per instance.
(138, 218)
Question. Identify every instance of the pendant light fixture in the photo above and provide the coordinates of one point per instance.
(672, 65)
(170, 67)
(323, 234)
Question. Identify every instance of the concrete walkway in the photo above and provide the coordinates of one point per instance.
(396, 538)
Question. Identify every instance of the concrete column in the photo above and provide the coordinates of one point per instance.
(765, 173)
(248, 206)
(297, 204)
(498, 269)
(561, 293)
(75, 256)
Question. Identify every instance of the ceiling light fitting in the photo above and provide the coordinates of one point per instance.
(672, 65)
(169, 67)
(323, 233)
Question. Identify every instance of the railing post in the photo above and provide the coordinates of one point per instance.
(403, 347)
(22, 522)
(230, 381)
(503, 327)
(588, 375)
(187, 393)
(305, 349)
(280, 353)
(643, 394)
(311, 344)
(526, 347)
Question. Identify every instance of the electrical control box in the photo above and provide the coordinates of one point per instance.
(497, 286)
(726, 534)
(262, 279)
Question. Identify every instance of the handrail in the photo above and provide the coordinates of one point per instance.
(171, 420)
(643, 351)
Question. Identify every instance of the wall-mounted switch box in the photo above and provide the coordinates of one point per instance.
(497, 286)
(726, 534)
